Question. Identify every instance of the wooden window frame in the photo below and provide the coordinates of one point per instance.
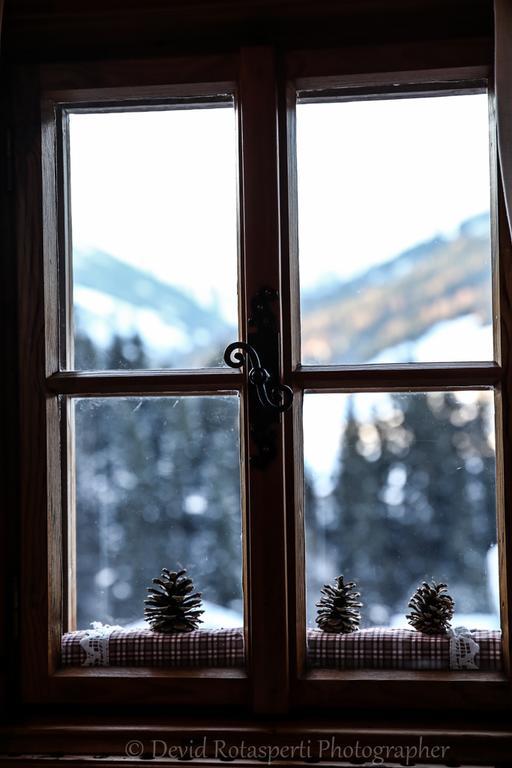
(44, 382)
(389, 71)
(276, 680)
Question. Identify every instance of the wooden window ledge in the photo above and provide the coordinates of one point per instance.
(380, 648)
(375, 648)
(144, 648)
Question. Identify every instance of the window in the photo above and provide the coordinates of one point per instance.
(157, 188)
(135, 366)
(395, 266)
(374, 411)
(245, 208)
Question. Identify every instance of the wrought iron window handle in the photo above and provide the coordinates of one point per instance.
(277, 397)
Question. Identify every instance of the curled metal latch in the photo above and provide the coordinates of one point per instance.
(277, 397)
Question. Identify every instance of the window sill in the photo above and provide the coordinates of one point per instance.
(375, 648)
(407, 649)
(144, 648)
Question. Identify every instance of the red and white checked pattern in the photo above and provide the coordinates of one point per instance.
(379, 648)
(144, 648)
(366, 649)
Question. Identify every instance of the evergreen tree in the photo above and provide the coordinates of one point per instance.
(158, 484)
(416, 494)
(360, 544)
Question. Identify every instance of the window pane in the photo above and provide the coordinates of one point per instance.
(394, 230)
(400, 488)
(154, 230)
(157, 486)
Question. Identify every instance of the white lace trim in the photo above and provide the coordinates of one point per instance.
(463, 649)
(96, 643)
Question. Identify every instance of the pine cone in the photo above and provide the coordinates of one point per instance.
(432, 609)
(339, 607)
(171, 607)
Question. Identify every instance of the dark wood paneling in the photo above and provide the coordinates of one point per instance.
(7, 390)
(155, 78)
(9, 495)
(186, 690)
(465, 743)
(33, 461)
(56, 29)
(421, 60)
(322, 690)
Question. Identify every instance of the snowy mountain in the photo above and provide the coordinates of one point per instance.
(400, 311)
(111, 296)
(388, 311)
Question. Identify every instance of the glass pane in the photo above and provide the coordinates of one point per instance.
(394, 230)
(154, 230)
(400, 488)
(157, 486)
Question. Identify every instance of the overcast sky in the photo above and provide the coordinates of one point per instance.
(158, 189)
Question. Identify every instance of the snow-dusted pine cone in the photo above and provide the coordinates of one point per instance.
(432, 609)
(339, 607)
(172, 607)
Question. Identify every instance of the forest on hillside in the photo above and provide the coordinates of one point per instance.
(158, 485)
(400, 300)
(412, 499)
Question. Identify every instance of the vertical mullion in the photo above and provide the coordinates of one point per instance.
(40, 590)
(290, 225)
(294, 459)
(50, 256)
(63, 169)
(69, 513)
(502, 333)
(66, 351)
(502, 320)
(268, 639)
(503, 434)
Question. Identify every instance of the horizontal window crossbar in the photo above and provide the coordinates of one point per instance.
(155, 105)
(402, 376)
(391, 91)
(204, 381)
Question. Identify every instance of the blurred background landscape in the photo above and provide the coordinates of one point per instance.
(395, 267)
(399, 488)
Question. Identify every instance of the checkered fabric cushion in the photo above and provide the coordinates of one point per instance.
(395, 649)
(366, 649)
(144, 648)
